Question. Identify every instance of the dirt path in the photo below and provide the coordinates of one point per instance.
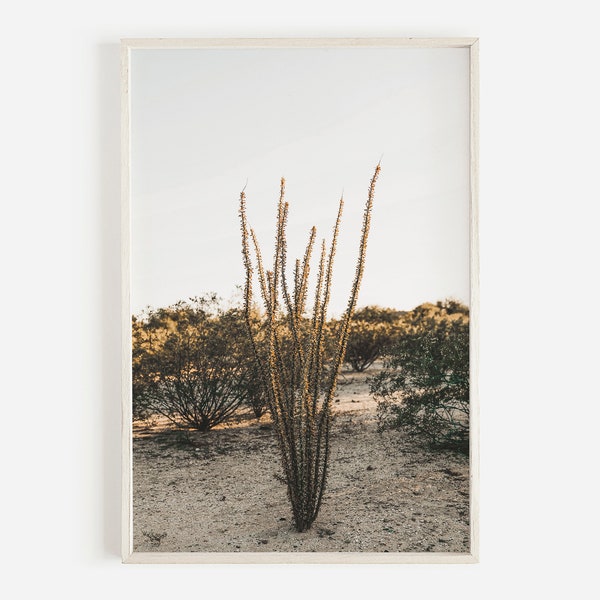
(220, 492)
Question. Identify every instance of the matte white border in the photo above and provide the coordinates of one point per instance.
(128, 555)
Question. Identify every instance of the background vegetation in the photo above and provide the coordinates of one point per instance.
(372, 331)
(193, 363)
(424, 386)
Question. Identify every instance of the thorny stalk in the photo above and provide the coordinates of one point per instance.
(298, 374)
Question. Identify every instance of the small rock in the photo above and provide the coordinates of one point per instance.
(325, 532)
(263, 541)
(451, 472)
(370, 468)
(222, 498)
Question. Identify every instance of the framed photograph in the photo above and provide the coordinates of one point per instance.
(300, 300)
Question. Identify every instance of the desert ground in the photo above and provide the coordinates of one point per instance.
(221, 491)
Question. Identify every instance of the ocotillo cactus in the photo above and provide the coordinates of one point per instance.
(291, 357)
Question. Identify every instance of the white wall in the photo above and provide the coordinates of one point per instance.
(60, 302)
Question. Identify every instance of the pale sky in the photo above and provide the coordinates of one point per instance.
(203, 122)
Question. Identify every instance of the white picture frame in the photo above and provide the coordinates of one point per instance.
(128, 553)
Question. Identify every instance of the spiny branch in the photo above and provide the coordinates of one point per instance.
(291, 353)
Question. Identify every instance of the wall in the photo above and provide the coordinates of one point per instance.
(60, 305)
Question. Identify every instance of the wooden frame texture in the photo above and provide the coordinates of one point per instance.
(128, 555)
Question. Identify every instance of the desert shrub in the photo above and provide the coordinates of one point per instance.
(257, 398)
(443, 309)
(377, 314)
(293, 358)
(372, 329)
(191, 363)
(140, 403)
(424, 387)
(452, 307)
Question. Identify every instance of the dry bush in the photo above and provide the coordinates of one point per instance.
(293, 361)
(365, 344)
(372, 330)
(192, 363)
(424, 387)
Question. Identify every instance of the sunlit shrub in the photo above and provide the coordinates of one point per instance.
(191, 363)
(372, 330)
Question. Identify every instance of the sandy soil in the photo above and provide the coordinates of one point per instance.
(220, 491)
